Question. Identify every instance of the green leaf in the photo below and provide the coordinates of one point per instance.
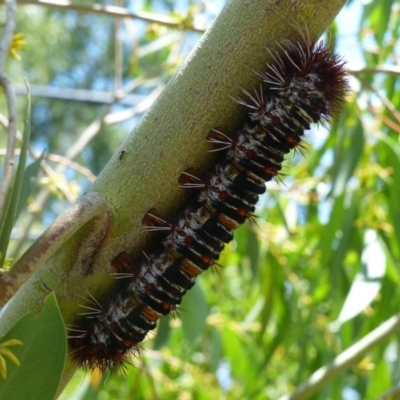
(31, 172)
(367, 283)
(194, 313)
(380, 379)
(42, 355)
(8, 218)
(242, 359)
(268, 286)
(216, 349)
(162, 333)
(348, 160)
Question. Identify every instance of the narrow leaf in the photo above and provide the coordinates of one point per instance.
(7, 220)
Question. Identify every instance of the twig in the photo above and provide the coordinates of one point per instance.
(391, 107)
(82, 95)
(71, 164)
(385, 69)
(344, 360)
(60, 160)
(385, 120)
(113, 11)
(11, 102)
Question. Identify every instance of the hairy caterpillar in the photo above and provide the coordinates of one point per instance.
(304, 84)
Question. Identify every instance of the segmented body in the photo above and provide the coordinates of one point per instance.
(305, 84)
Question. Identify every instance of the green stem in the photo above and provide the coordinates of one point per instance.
(346, 359)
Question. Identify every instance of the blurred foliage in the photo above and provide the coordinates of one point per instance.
(318, 269)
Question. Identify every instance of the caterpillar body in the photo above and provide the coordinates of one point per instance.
(305, 84)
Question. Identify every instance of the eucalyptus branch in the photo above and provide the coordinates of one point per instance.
(346, 359)
(384, 69)
(117, 12)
